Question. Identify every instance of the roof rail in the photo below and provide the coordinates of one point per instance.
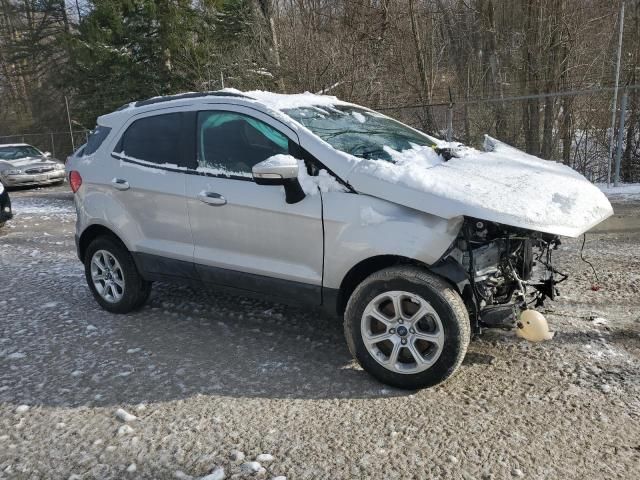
(180, 96)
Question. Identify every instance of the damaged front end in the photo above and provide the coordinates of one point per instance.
(500, 271)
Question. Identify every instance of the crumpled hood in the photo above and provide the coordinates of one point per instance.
(23, 163)
(501, 184)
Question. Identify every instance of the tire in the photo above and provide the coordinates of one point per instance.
(134, 291)
(445, 324)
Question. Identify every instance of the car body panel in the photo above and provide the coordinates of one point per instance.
(358, 227)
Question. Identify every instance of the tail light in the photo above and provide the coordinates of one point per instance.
(75, 180)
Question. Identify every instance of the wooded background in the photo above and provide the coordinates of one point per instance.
(409, 58)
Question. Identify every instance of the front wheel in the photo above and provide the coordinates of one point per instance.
(113, 277)
(407, 327)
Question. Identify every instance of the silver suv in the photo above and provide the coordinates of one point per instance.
(309, 200)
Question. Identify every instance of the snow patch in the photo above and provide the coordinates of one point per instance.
(22, 408)
(216, 474)
(250, 467)
(125, 416)
(125, 430)
(324, 181)
(501, 184)
(280, 101)
(360, 117)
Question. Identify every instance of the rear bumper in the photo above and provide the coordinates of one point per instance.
(26, 179)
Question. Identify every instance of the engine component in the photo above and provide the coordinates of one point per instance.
(499, 262)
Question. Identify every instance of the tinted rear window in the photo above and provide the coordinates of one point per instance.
(96, 137)
(154, 139)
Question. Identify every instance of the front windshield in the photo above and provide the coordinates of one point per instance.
(19, 151)
(357, 131)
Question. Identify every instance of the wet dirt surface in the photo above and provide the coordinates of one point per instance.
(206, 373)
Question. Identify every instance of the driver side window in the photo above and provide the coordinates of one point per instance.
(231, 143)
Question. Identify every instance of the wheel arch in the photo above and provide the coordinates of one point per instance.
(452, 274)
(91, 233)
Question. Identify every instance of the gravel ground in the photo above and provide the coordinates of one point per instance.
(214, 381)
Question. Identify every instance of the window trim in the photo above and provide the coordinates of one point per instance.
(185, 161)
(192, 129)
(224, 110)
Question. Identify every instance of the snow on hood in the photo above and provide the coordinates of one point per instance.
(501, 184)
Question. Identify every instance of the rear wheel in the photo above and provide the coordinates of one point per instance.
(407, 327)
(112, 276)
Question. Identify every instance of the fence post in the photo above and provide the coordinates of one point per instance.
(73, 144)
(450, 118)
(623, 108)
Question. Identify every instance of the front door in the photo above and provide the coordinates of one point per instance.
(245, 235)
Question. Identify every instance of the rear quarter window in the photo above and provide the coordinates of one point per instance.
(155, 139)
(96, 137)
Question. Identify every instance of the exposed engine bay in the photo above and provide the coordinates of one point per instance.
(507, 269)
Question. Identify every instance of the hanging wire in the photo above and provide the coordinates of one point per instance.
(584, 239)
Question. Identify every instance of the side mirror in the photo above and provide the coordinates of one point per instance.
(280, 170)
(47, 154)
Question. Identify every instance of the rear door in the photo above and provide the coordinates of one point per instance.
(245, 235)
(153, 153)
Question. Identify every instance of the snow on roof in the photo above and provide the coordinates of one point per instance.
(14, 145)
(283, 101)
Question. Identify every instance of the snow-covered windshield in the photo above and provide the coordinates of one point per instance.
(357, 131)
(18, 151)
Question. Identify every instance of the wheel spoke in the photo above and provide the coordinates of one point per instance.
(96, 262)
(416, 354)
(393, 356)
(377, 338)
(422, 311)
(397, 307)
(379, 316)
(435, 338)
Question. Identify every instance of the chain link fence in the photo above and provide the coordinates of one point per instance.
(59, 144)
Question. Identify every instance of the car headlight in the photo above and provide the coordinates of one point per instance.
(13, 171)
(59, 166)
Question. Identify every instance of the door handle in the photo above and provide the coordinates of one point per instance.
(212, 198)
(120, 184)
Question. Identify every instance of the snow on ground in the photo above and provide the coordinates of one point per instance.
(40, 206)
(623, 192)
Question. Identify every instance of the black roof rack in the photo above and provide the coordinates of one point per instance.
(180, 96)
